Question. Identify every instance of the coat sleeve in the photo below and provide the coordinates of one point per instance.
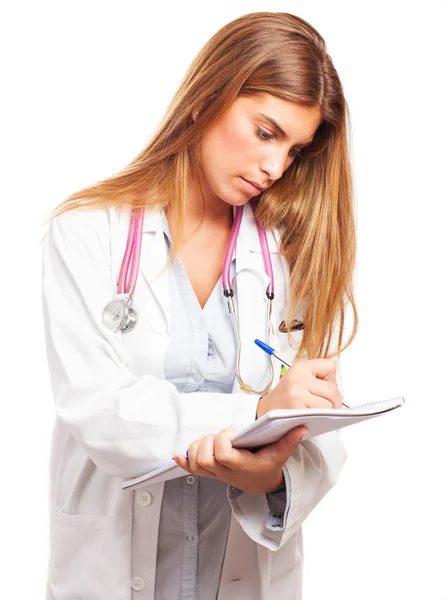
(311, 471)
(128, 425)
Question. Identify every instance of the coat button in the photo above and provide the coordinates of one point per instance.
(144, 498)
(137, 583)
(159, 326)
(190, 479)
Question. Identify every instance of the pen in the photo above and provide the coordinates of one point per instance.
(271, 351)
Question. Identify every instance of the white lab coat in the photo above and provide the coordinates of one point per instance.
(117, 417)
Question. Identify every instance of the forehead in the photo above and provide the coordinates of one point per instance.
(299, 122)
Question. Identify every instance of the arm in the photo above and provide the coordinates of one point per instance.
(310, 469)
(309, 473)
(127, 425)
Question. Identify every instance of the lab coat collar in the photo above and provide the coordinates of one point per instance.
(248, 234)
(153, 222)
(152, 219)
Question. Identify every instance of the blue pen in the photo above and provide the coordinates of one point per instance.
(272, 352)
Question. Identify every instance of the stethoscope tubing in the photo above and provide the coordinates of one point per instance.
(126, 283)
(227, 288)
(231, 249)
(245, 387)
(118, 315)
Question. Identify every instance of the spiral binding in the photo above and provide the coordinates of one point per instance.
(379, 402)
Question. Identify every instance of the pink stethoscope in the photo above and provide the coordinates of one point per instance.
(119, 316)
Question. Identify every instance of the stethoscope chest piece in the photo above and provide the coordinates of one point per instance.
(117, 315)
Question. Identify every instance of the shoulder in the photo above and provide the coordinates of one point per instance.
(79, 220)
(80, 235)
(87, 224)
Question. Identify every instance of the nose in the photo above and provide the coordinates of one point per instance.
(274, 164)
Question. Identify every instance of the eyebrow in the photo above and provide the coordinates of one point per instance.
(282, 132)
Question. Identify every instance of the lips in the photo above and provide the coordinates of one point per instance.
(251, 189)
(257, 185)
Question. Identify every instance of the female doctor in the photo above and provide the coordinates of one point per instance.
(242, 200)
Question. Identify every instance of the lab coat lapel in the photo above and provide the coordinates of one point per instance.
(251, 302)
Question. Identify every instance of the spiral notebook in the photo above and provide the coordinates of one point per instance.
(275, 424)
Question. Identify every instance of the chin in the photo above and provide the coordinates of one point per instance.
(240, 196)
(234, 197)
(240, 201)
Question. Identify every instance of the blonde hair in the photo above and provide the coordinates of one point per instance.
(312, 203)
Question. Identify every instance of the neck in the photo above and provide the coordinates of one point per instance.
(206, 206)
(206, 212)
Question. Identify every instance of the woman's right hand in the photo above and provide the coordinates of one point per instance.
(306, 384)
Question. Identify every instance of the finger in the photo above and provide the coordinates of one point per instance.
(194, 467)
(182, 462)
(279, 452)
(230, 431)
(324, 368)
(191, 454)
(294, 437)
(314, 401)
(225, 454)
(205, 456)
(325, 389)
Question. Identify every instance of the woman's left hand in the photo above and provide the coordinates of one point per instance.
(255, 472)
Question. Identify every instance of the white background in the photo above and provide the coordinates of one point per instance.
(84, 86)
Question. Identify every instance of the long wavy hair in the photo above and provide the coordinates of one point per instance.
(312, 203)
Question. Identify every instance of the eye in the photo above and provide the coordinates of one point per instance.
(294, 152)
(263, 135)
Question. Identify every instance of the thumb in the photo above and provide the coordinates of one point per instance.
(280, 451)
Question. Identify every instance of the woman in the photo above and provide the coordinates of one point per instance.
(258, 122)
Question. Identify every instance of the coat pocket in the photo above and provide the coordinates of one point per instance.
(91, 558)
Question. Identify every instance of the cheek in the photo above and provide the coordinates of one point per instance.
(240, 143)
(228, 149)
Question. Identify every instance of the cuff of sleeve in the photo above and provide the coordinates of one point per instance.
(277, 502)
(275, 521)
(233, 493)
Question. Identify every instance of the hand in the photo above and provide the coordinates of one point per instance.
(306, 384)
(257, 472)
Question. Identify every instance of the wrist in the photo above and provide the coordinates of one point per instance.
(280, 486)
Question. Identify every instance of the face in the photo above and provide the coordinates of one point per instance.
(255, 140)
